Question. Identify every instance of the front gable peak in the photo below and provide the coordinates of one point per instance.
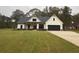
(34, 19)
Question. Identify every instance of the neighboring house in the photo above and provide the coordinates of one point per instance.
(47, 23)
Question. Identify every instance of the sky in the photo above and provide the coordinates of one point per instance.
(7, 10)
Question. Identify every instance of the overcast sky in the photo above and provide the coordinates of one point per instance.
(7, 10)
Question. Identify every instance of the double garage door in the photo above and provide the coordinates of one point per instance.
(53, 27)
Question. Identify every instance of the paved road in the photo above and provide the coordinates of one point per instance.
(70, 36)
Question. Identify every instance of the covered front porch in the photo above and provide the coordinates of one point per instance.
(35, 26)
(31, 26)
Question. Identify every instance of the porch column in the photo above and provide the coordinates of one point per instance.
(37, 26)
(44, 26)
(23, 26)
(61, 27)
(26, 26)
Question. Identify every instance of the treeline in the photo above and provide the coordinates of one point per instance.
(5, 22)
(70, 21)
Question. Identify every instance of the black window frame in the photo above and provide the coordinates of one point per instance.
(53, 19)
(34, 19)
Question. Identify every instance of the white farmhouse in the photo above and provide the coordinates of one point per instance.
(47, 23)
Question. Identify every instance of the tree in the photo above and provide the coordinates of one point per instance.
(49, 11)
(5, 22)
(17, 14)
(33, 12)
(54, 10)
(66, 16)
(45, 11)
(76, 20)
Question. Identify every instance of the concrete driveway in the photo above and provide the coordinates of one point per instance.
(70, 36)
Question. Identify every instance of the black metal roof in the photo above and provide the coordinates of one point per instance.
(25, 19)
(43, 19)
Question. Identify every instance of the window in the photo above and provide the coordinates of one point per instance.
(34, 19)
(53, 19)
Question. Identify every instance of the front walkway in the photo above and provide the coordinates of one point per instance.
(70, 36)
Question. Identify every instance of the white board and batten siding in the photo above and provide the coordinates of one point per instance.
(19, 26)
(50, 21)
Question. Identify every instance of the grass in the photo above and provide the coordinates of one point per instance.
(33, 41)
(76, 30)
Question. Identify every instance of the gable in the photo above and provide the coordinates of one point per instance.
(54, 20)
(34, 19)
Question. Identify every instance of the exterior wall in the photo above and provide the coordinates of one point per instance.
(19, 26)
(57, 21)
(31, 20)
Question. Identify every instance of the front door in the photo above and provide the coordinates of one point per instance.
(34, 27)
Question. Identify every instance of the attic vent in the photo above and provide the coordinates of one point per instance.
(34, 19)
(53, 19)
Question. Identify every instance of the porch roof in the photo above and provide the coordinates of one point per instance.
(23, 20)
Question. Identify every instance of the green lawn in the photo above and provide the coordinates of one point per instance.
(76, 31)
(33, 41)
